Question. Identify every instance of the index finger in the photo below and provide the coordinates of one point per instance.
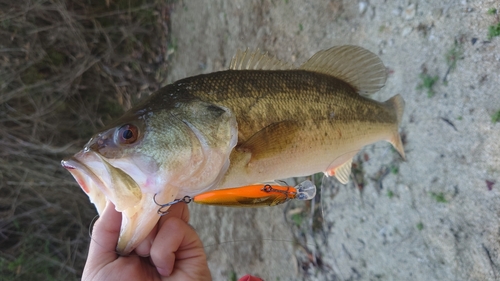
(104, 238)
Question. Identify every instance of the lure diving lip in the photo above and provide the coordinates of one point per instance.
(257, 195)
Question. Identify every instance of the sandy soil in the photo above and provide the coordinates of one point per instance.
(433, 217)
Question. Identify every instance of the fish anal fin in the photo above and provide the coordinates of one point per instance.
(341, 172)
(341, 167)
(271, 140)
(256, 60)
(357, 66)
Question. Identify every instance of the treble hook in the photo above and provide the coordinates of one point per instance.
(186, 199)
(269, 188)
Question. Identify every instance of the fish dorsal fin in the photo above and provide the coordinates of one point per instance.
(357, 66)
(256, 60)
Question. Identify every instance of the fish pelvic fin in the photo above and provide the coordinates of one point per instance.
(357, 66)
(256, 60)
(397, 104)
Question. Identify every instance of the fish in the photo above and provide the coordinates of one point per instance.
(259, 121)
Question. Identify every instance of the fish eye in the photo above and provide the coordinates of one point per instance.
(127, 134)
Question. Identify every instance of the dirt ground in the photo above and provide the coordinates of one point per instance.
(431, 217)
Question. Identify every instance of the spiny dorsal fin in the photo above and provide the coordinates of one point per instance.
(255, 60)
(357, 66)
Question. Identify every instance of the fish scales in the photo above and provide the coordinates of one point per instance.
(329, 114)
(259, 98)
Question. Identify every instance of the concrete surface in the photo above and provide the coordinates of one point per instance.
(433, 217)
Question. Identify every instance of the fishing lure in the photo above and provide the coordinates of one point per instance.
(257, 195)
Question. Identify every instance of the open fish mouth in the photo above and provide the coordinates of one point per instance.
(103, 182)
(95, 175)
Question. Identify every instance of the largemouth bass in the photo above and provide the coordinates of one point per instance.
(259, 121)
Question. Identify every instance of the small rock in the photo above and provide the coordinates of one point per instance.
(362, 7)
(397, 11)
(489, 184)
(406, 30)
(437, 13)
(409, 12)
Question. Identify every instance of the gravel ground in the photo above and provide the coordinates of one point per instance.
(431, 217)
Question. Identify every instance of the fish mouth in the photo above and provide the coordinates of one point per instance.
(82, 174)
(90, 183)
(104, 183)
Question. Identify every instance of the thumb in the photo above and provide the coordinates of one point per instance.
(104, 239)
(177, 252)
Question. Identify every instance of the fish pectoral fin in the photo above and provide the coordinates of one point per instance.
(357, 66)
(271, 140)
(341, 172)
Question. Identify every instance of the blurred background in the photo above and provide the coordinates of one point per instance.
(66, 69)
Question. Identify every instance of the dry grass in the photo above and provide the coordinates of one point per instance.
(66, 69)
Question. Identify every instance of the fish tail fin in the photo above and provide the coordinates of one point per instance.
(395, 140)
(397, 104)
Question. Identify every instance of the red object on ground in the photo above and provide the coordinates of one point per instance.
(249, 277)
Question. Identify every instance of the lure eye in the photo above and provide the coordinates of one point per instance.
(127, 134)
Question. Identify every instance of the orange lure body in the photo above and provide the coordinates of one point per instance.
(248, 196)
(257, 195)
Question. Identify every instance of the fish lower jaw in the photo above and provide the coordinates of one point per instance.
(139, 220)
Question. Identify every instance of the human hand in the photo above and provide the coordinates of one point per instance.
(172, 251)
